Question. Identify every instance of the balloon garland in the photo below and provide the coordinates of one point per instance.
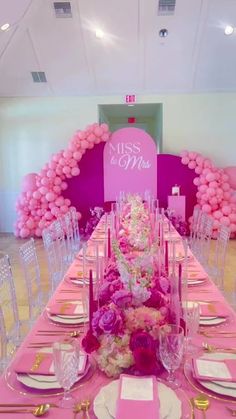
(41, 201)
(215, 196)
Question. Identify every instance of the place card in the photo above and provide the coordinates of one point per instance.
(137, 398)
(211, 370)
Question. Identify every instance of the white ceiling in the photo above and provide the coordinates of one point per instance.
(132, 58)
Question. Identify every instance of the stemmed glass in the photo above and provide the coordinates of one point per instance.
(66, 367)
(192, 318)
(171, 348)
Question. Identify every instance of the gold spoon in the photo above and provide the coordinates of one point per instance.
(201, 402)
(73, 334)
(85, 405)
(40, 410)
(212, 348)
(77, 409)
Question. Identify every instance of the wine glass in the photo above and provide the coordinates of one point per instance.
(171, 348)
(66, 367)
(192, 318)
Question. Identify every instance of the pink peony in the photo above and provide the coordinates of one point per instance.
(122, 298)
(90, 342)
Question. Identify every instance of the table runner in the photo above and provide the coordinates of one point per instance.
(90, 388)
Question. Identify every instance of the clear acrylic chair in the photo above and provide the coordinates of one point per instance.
(53, 259)
(205, 242)
(12, 328)
(58, 232)
(36, 296)
(194, 227)
(217, 267)
(68, 227)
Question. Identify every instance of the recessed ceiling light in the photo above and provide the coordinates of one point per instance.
(229, 30)
(5, 26)
(99, 34)
(163, 33)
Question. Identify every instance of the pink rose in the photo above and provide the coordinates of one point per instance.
(122, 298)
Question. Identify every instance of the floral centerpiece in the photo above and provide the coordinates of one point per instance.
(133, 301)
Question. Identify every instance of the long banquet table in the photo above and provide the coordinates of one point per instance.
(205, 292)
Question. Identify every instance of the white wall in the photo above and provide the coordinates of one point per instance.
(31, 129)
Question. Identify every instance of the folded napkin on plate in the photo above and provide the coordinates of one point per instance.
(214, 370)
(137, 398)
(67, 308)
(41, 363)
(213, 309)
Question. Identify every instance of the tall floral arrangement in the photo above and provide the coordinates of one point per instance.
(133, 300)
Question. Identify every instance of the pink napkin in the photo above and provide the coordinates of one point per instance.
(214, 370)
(214, 309)
(67, 308)
(137, 398)
(35, 363)
(41, 363)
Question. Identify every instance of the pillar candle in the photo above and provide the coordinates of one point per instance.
(109, 243)
(91, 302)
(166, 258)
(180, 281)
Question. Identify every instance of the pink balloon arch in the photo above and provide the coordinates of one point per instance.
(41, 200)
(216, 193)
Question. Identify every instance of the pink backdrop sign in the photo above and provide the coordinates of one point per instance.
(130, 163)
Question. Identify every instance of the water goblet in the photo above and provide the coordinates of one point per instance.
(171, 348)
(66, 367)
(192, 318)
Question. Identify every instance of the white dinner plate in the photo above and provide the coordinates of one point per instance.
(105, 402)
(44, 382)
(196, 282)
(212, 321)
(220, 387)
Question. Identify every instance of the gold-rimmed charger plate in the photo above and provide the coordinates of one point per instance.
(12, 382)
(198, 386)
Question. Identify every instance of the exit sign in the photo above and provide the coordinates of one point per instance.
(130, 98)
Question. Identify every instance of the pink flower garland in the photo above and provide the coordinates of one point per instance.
(41, 200)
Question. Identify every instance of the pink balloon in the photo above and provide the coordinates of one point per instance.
(75, 171)
(84, 144)
(50, 196)
(57, 180)
(67, 154)
(30, 223)
(226, 210)
(192, 165)
(36, 195)
(225, 186)
(81, 135)
(198, 170)
(193, 155)
(213, 201)
(43, 190)
(51, 174)
(59, 201)
(64, 186)
(91, 138)
(196, 181)
(29, 182)
(98, 131)
(73, 163)
(66, 169)
(203, 188)
(231, 172)
(185, 160)
(38, 232)
(104, 127)
(207, 163)
(48, 215)
(217, 215)
(184, 153)
(64, 209)
(105, 137)
(211, 191)
(24, 232)
(77, 155)
(199, 160)
(210, 177)
(57, 189)
(67, 202)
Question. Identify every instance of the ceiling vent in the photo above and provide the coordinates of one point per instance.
(62, 9)
(166, 7)
(39, 77)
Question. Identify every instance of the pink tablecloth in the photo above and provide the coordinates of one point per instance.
(90, 388)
